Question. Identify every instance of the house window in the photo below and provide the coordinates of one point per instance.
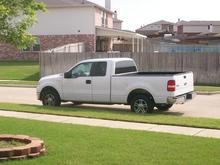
(104, 17)
(34, 48)
(208, 27)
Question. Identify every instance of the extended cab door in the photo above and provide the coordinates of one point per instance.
(101, 82)
(77, 87)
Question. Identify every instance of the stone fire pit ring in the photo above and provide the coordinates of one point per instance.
(33, 147)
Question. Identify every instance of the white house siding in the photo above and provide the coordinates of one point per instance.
(65, 21)
(153, 27)
(216, 29)
(117, 25)
(200, 29)
(98, 18)
(110, 20)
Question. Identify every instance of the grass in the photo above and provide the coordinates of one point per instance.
(9, 144)
(33, 83)
(207, 88)
(19, 70)
(167, 118)
(81, 145)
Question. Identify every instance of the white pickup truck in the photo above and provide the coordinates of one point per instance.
(116, 81)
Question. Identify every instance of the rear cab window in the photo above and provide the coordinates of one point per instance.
(126, 66)
(99, 69)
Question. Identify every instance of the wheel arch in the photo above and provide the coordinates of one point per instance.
(49, 88)
(138, 92)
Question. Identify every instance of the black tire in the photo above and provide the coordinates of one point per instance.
(164, 107)
(50, 97)
(142, 104)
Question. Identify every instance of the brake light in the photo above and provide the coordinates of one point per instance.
(171, 85)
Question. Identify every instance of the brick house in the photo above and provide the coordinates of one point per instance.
(73, 21)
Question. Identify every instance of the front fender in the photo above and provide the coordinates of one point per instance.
(56, 85)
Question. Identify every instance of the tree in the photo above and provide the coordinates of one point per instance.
(16, 18)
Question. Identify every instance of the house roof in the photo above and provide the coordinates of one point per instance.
(71, 3)
(161, 22)
(103, 31)
(198, 23)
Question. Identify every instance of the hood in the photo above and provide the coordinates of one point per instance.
(55, 76)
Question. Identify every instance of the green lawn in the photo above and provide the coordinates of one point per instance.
(23, 70)
(207, 88)
(167, 118)
(14, 83)
(82, 145)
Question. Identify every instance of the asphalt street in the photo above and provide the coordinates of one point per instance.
(202, 106)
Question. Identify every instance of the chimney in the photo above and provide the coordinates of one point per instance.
(115, 15)
(108, 4)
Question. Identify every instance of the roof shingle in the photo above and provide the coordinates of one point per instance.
(71, 3)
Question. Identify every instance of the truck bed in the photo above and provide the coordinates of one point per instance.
(155, 83)
(152, 74)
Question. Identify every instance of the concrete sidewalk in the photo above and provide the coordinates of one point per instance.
(199, 132)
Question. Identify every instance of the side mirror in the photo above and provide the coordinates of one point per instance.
(67, 75)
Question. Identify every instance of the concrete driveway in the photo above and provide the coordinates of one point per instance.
(202, 106)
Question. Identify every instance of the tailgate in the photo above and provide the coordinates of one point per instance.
(184, 83)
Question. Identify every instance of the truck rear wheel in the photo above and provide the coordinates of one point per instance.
(164, 107)
(50, 98)
(142, 104)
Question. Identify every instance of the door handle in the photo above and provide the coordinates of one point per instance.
(88, 82)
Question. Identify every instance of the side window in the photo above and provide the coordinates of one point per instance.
(82, 70)
(125, 67)
(99, 69)
(125, 70)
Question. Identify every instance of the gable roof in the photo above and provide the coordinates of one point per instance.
(161, 22)
(71, 3)
(199, 23)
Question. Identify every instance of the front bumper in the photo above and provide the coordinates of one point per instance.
(38, 96)
(181, 99)
(38, 92)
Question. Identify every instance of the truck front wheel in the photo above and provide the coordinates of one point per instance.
(142, 104)
(50, 98)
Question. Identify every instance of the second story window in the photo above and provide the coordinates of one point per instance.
(104, 17)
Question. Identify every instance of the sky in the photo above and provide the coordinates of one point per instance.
(136, 13)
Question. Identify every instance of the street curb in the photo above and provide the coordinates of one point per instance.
(208, 93)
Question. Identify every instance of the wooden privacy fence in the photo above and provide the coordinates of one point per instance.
(205, 66)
